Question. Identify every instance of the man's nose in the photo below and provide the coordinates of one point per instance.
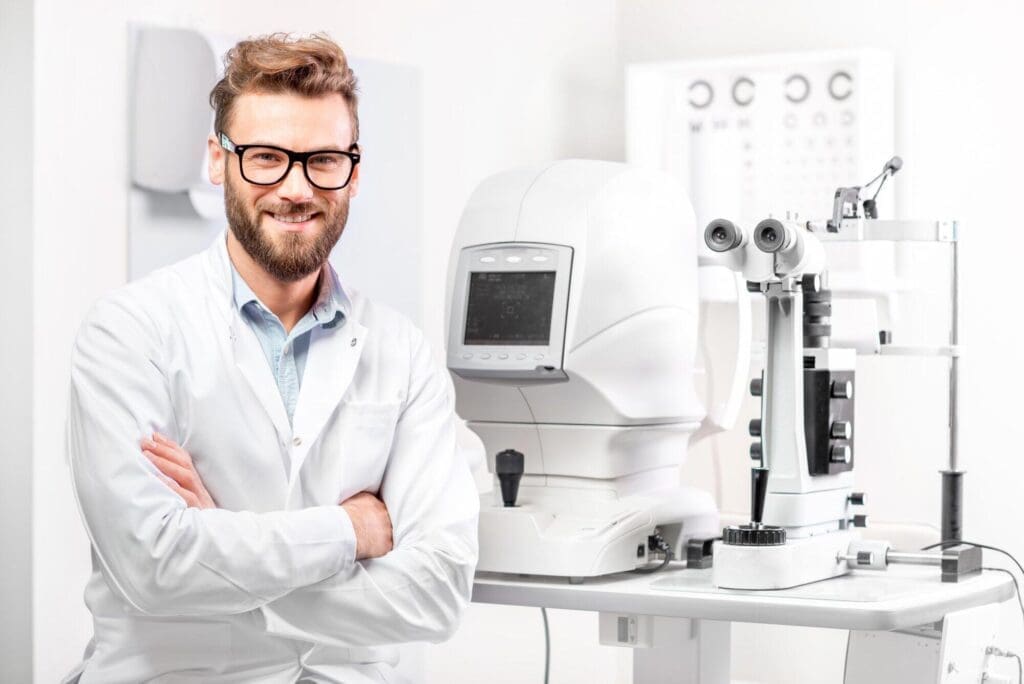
(295, 187)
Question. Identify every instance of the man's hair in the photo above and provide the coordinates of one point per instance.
(311, 66)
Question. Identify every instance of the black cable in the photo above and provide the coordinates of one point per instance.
(1016, 587)
(660, 545)
(547, 645)
(954, 542)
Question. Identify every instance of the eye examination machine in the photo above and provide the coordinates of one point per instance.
(572, 342)
(572, 338)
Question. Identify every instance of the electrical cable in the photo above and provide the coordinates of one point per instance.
(996, 651)
(954, 542)
(547, 645)
(661, 545)
(1016, 587)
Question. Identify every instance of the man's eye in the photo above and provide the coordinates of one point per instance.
(325, 161)
(266, 158)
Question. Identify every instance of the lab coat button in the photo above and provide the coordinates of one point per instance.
(297, 441)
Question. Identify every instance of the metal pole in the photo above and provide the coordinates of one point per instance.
(952, 479)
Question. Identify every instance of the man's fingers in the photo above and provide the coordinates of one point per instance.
(183, 476)
(170, 449)
(191, 500)
(171, 452)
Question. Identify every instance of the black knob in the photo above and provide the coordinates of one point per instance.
(755, 427)
(758, 493)
(842, 429)
(755, 451)
(840, 453)
(885, 337)
(508, 466)
(842, 389)
(755, 387)
(753, 286)
(857, 498)
(859, 520)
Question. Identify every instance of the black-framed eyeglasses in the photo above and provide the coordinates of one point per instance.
(268, 165)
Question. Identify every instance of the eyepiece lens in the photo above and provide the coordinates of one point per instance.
(770, 235)
(719, 234)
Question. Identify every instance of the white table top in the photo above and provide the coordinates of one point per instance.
(897, 598)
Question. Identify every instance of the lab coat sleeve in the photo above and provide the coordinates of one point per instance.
(419, 590)
(162, 557)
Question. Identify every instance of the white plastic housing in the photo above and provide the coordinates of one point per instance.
(631, 328)
(173, 71)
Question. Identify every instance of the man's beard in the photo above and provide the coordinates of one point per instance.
(292, 256)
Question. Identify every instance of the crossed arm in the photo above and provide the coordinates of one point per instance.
(371, 522)
(168, 553)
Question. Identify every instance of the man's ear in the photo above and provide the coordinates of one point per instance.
(353, 183)
(216, 163)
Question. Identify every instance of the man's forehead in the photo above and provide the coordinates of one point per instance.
(290, 120)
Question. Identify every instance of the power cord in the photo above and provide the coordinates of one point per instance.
(657, 543)
(954, 542)
(547, 645)
(992, 650)
(1016, 588)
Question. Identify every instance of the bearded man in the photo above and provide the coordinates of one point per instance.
(265, 461)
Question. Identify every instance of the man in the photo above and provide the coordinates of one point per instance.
(264, 461)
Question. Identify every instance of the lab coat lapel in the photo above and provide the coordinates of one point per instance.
(330, 365)
(252, 363)
(248, 354)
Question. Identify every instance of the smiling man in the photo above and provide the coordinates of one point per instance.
(264, 460)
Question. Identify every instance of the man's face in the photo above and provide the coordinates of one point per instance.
(264, 218)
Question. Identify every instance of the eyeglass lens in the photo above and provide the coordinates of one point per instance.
(268, 166)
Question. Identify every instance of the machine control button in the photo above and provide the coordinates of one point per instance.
(540, 258)
(840, 453)
(513, 259)
(755, 451)
(520, 357)
(539, 357)
(755, 427)
(467, 356)
(856, 498)
(488, 259)
(755, 387)
(842, 389)
(502, 356)
(842, 429)
(485, 356)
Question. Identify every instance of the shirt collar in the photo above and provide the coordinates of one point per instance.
(330, 307)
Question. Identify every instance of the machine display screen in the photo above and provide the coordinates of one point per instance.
(510, 307)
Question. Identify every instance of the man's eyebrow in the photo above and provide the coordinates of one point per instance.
(262, 142)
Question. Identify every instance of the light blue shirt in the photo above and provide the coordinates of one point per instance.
(286, 352)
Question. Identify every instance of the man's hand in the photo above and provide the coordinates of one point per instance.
(177, 471)
(372, 524)
(369, 515)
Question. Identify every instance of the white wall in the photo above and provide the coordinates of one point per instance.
(504, 84)
(16, 181)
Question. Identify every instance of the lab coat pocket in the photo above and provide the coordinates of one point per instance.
(363, 443)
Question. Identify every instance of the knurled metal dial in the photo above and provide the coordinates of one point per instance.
(750, 535)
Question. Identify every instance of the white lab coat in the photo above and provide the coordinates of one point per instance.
(265, 586)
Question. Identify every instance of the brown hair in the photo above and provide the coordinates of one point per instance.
(279, 63)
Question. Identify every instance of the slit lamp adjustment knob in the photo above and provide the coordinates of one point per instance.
(508, 466)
